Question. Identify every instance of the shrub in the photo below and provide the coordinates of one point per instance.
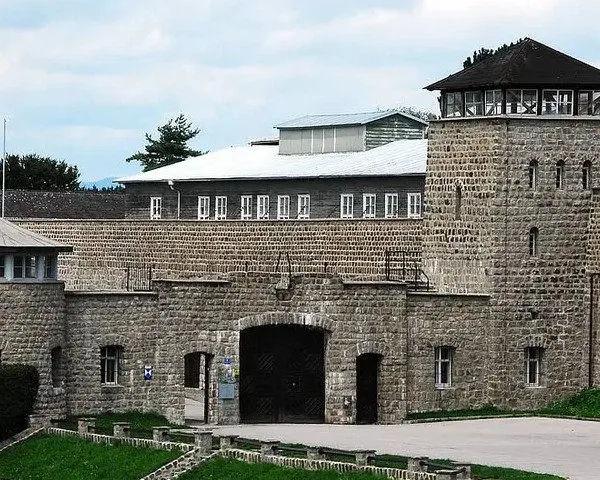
(19, 386)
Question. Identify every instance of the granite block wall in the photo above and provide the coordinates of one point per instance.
(103, 249)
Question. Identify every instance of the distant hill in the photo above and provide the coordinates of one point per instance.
(100, 184)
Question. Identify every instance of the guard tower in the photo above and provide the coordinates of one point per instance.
(509, 188)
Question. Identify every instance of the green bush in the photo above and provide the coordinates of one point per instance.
(19, 386)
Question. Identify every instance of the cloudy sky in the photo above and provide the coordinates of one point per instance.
(83, 80)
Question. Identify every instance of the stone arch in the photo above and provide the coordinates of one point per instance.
(367, 346)
(533, 340)
(317, 320)
(112, 339)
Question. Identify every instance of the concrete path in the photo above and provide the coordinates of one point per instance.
(569, 448)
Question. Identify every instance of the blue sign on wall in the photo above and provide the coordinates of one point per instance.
(148, 372)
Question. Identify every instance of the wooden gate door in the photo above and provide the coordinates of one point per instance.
(367, 373)
(282, 375)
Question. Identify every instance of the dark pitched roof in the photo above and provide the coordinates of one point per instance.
(526, 63)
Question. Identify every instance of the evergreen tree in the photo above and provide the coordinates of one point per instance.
(33, 172)
(484, 53)
(171, 146)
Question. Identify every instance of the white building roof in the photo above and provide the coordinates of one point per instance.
(14, 237)
(339, 119)
(402, 157)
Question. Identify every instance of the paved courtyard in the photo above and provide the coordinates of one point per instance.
(563, 447)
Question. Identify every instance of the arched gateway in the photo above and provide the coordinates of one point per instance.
(282, 374)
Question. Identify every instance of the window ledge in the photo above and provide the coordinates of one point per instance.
(444, 387)
(534, 387)
(107, 388)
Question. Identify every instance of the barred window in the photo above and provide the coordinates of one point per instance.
(110, 364)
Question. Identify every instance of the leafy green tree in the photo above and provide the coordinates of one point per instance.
(422, 114)
(34, 172)
(484, 53)
(171, 146)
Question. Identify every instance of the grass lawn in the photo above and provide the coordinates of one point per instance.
(228, 469)
(585, 404)
(46, 457)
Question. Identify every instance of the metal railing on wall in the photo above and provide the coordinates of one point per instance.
(138, 278)
(402, 266)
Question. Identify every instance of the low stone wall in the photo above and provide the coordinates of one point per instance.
(309, 464)
(108, 439)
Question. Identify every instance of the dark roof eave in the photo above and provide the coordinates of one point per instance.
(36, 248)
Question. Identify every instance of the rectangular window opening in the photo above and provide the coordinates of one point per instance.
(220, 208)
(474, 104)
(283, 207)
(557, 102)
(303, 206)
(443, 367)
(521, 102)
(414, 205)
(369, 205)
(203, 208)
(246, 207)
(155, 208)
(391, 205)
(346, 205)
(262, 207)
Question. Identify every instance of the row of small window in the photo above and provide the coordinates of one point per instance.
(586, 175)
(520, 102)
(369, 206)
(19, 267)
(444, 357)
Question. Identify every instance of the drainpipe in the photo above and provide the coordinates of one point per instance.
(591, 333)
(171, 186)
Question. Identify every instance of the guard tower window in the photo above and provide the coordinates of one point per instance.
(493, 102)
(558, 102)
(454, 104)
(533, 171)
(533, 360)
(443, 367)
(589, 102)
(457, 202)
(474, 104)
(560, 175)
(2, 266)
(521, 102)
(586, 175)
(533, 242)
(50, 267)
(110, 364)
(24, 266)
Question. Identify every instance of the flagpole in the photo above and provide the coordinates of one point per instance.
(3, 167)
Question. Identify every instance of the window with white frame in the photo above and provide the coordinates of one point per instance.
(533, 364)
(474, 104)
(443, 367)
(2, 266)
(246, 207)
(453, 104)
(391, 205)
(346, 205)
(24, 266)
(589, 102)
(155, 208)
(533, 174)
(557, 102)
(369, 205)
(414, 205)
(203, 208)
(220, 208)
(493, 102)
(283, 207)
(304, 206)
(50, 265)
(110, 364)
(521, 102)
(262, 207)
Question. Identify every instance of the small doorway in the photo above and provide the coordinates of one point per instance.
(367, 377)
(197, 386)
